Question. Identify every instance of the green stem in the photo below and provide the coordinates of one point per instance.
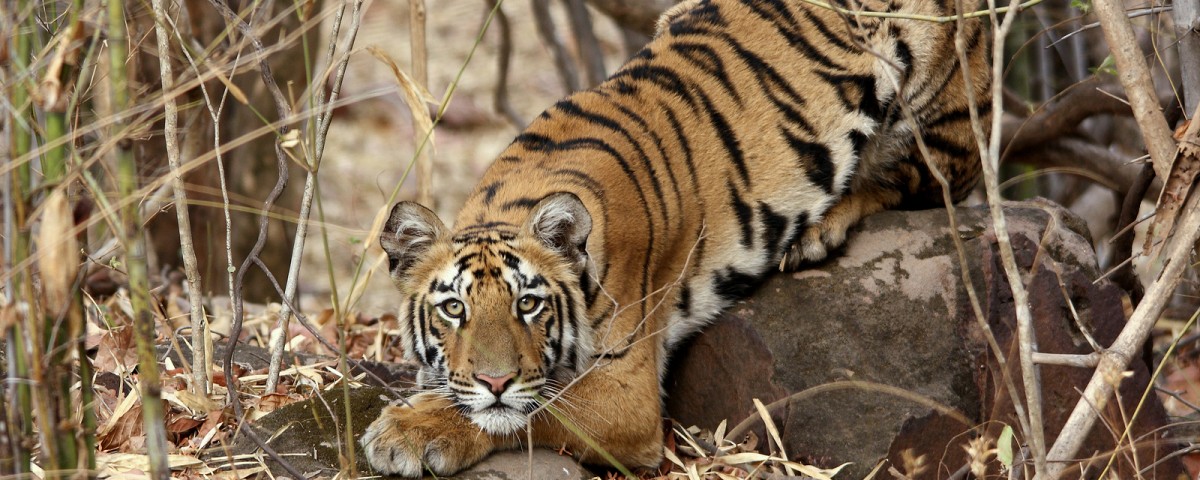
(20, 418)
(135, 249)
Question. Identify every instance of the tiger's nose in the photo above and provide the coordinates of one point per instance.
(496, 384)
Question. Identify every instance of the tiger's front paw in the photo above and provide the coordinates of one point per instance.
(428, 435)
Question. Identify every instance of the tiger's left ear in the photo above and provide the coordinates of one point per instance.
(561, 223)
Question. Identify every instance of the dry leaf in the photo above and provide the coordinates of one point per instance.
(1176, 186)
(58, 251)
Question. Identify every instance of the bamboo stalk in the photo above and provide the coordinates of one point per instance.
(61, 321)
(135, 249)
(17, 243)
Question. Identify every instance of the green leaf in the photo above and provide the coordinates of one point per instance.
(1108, 66)
(1004, 451)
(1084, 6)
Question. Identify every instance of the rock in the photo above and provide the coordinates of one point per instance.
(308, 435)
(876, 354)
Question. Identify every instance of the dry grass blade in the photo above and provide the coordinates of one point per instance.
(771, 430)
(416, 96)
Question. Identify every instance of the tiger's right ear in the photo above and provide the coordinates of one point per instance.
(410, 231)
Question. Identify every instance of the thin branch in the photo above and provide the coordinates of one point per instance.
(420, 63)
(585, 39)
(1014, 7)
(502, 104)
(1187, 30)
(186, 248)
(1141, 12)
(550, 38)
(1083, 361)
(1135, 77)
(1129, 343)
(324, 116)
(284, 112)
(989, 149)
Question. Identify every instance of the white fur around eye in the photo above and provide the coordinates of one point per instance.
(537, 310)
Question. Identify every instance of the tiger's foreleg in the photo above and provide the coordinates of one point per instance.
(611, 413)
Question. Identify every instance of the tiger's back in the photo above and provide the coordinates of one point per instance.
(746, 137)
(735, 131)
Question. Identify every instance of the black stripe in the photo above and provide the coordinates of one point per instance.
(662, 155)
(731, 284)
(744, 214)
(489, 191)
(780, 91)
(659, 76)
(728, 137)
(773, 227)
(857, 92)
(571, 108)
(815, 160)
(828, 35)
(413, 318)
(858, 140)
(522, 203)
(798, 228)
(708, 61)
(793, 37)
(510, 260)
(945, 145)
(684, 305)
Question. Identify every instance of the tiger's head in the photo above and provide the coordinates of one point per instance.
(495, 314)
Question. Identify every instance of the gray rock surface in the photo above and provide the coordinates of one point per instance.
(308, 435)
(874, 355)
(877, 350)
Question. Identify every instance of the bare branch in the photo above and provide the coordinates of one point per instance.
(186, 249)
(1135, 77)
(562, 60)
(585, 38)
(502, 104)
(1061, 116)
(1128, 345)
(1187, 22)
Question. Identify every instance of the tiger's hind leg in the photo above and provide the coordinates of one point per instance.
(905, 184)
(819, 239)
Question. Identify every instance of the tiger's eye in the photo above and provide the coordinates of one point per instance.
(452, 308)
(528, 304)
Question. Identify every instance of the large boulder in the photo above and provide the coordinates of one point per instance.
(877, 355)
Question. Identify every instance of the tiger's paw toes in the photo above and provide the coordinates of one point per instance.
(814, 245)
(405, 441)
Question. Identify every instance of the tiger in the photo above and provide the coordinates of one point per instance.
(746, 137)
